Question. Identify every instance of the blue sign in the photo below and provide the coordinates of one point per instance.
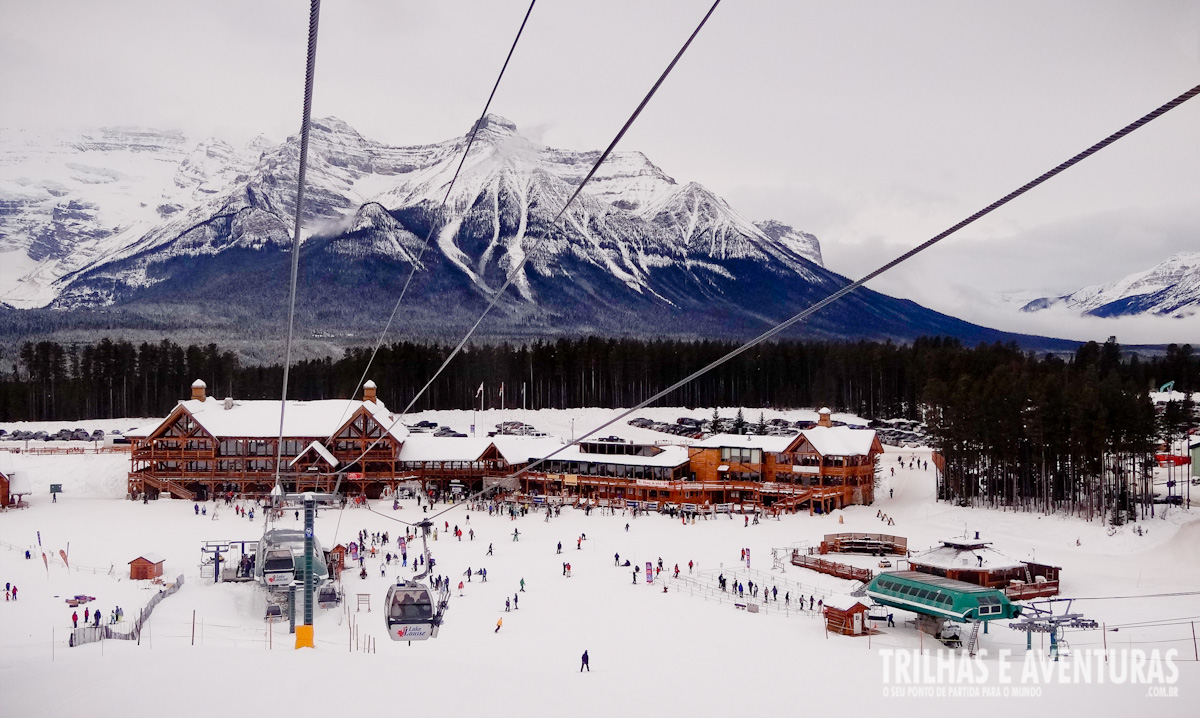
(308, 532)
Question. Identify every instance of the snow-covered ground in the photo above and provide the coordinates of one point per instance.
(651, 653)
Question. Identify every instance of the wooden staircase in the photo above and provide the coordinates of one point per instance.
(176, 490)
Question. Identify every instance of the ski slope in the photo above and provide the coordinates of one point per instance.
(652, 653)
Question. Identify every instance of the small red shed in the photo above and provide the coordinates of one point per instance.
(147, 566)
(846, 615)
(337, 559)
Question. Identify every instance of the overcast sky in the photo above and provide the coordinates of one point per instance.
(874, 125)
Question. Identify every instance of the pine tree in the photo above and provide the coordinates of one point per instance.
(739, 423)
(761, 427)
(716, 421)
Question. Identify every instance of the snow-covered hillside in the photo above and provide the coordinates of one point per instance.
(1171, 289)
(84, 217)
(688, 651)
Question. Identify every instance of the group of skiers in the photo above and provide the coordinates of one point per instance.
(10, 590)
(93, 617)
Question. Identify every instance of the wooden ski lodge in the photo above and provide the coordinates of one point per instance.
(976, 562)
(207, 447)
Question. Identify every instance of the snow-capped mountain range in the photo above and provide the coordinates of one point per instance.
(137, 221)
(1170, 289)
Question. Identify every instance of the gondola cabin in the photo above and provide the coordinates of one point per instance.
(941, 597)
(410, 612)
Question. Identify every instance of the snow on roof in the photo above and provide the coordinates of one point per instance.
(753, 441)
(844, 602)
(6, 463)
(670, 457)
(370, 384)
(199, 384)
(260, 418)
(955, 557)
(840, 440)
(523, 449)
(321, 450)
(151, 557)
(427, 447)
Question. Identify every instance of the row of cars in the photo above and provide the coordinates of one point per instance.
(60, 435)
(904, 433)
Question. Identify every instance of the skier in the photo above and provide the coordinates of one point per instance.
(87, 615)
(559, 547)
(891, 621)
(585, 663)
(516, 602)
(689, 566)
(499, 623)
(522, 585)
(507, 603)
(196, 508)
(516, 534)
(616, 559)
(489, 553)
(579, 544)
(96, 616)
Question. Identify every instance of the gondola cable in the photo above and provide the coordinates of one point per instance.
(434, 225)
(1140, 122)
(533, 249)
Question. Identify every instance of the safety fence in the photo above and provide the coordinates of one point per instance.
(120, 631)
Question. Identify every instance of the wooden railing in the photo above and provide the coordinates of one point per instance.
(1022, 591)
(841, 570)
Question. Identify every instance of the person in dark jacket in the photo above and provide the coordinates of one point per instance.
(585, 663)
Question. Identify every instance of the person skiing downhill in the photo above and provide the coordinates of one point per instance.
(499, 623)
(585, 663)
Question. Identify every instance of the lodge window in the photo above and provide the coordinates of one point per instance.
(741, 455)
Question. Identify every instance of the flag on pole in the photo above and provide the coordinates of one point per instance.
(501, 392)
(480, 392)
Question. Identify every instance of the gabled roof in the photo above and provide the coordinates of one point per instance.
(151, 557)
(321, 451)
(843, 602)
(837, 440)
(260, 418)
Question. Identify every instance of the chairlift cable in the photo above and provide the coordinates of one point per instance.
(529, 253)
(434, 224)
(313, 20)
(1154, 114)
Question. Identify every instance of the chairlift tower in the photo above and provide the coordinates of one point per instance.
(1044, 620)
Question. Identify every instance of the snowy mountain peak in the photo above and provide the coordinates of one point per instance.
(494, 126)
(802, 243)
(1172, 288)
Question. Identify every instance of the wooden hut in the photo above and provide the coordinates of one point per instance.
(337, 560)
(846, 615)
(145, 567)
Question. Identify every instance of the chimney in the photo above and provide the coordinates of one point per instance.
(369, 391)
(228, 403)
(198, 388)
(823, 418)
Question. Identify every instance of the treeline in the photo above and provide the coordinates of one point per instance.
(1052, 434)
(49, 381)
